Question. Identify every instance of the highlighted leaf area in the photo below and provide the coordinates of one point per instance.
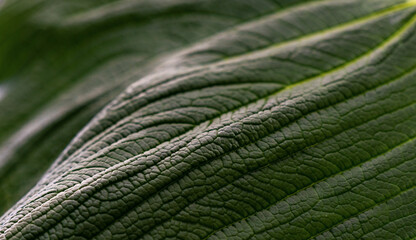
(190, 119)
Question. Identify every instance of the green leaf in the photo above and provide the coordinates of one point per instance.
(263, 119)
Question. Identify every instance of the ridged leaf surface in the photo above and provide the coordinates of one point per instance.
(269, 119)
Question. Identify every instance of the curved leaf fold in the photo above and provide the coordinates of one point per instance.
(298, 123)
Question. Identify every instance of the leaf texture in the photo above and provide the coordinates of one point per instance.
(295, 123)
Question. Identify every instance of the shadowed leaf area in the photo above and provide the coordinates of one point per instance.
(208, 119)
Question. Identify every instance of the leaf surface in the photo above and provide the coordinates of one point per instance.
(223, 120)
